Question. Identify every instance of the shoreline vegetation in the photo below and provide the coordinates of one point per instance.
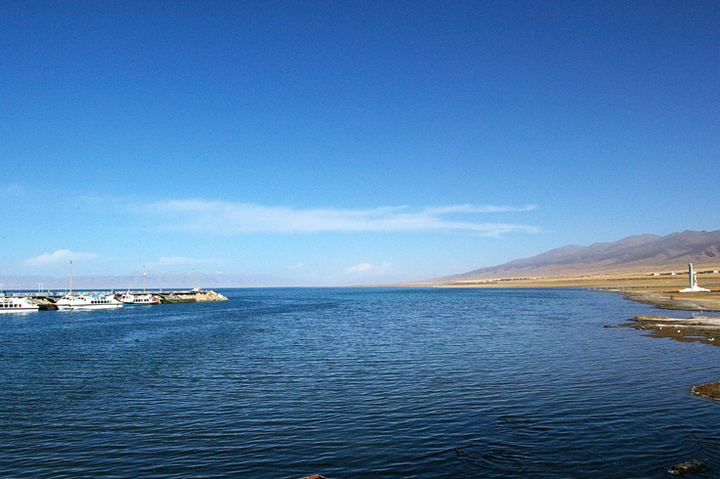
(659, 289)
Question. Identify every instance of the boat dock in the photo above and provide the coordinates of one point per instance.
(48, 299)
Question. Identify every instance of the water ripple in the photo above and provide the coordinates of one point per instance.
(390, 382)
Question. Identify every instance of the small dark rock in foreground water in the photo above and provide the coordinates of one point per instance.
(698, 465)
(709, 390)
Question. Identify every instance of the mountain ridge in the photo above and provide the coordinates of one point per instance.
(639, 253)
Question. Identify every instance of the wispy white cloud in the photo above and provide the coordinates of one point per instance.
(227, 218)
(57, 257)
(359, 268)
(11, 190)
(296, 267)
(467, 208)
(365, 268)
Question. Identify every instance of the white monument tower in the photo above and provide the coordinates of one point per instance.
(694, 288)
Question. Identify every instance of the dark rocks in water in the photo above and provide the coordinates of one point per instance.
(698, 465)
(709, 390)
(698, 328)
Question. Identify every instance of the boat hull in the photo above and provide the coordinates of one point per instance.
(129, 299)
(67, 307)
(17, 305)
(85, 302)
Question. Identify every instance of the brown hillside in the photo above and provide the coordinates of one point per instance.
(636, 254)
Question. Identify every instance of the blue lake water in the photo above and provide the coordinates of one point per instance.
(393, 383)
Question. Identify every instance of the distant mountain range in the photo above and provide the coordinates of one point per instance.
(642, 253)
(645, 253)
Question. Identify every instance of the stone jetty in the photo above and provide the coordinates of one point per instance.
(193, 296)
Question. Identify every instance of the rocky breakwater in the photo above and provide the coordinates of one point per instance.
(191, 297)
(209, 296)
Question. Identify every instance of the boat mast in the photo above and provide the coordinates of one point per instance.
(70, 277)
(144, 274)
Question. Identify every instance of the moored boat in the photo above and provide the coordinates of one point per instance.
(88, 301)
(132, 299)
(17, 304)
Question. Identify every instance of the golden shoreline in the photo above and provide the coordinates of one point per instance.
(659, 289)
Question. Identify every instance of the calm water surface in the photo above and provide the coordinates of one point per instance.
(393, 383)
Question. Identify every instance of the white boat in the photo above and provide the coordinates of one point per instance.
(17, 304)
(138, 299)
(88, 301)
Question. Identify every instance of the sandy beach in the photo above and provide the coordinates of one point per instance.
(660, 289)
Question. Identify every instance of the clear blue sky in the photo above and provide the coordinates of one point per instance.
(349, 142)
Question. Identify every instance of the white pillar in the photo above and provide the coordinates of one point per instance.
(691, 274)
